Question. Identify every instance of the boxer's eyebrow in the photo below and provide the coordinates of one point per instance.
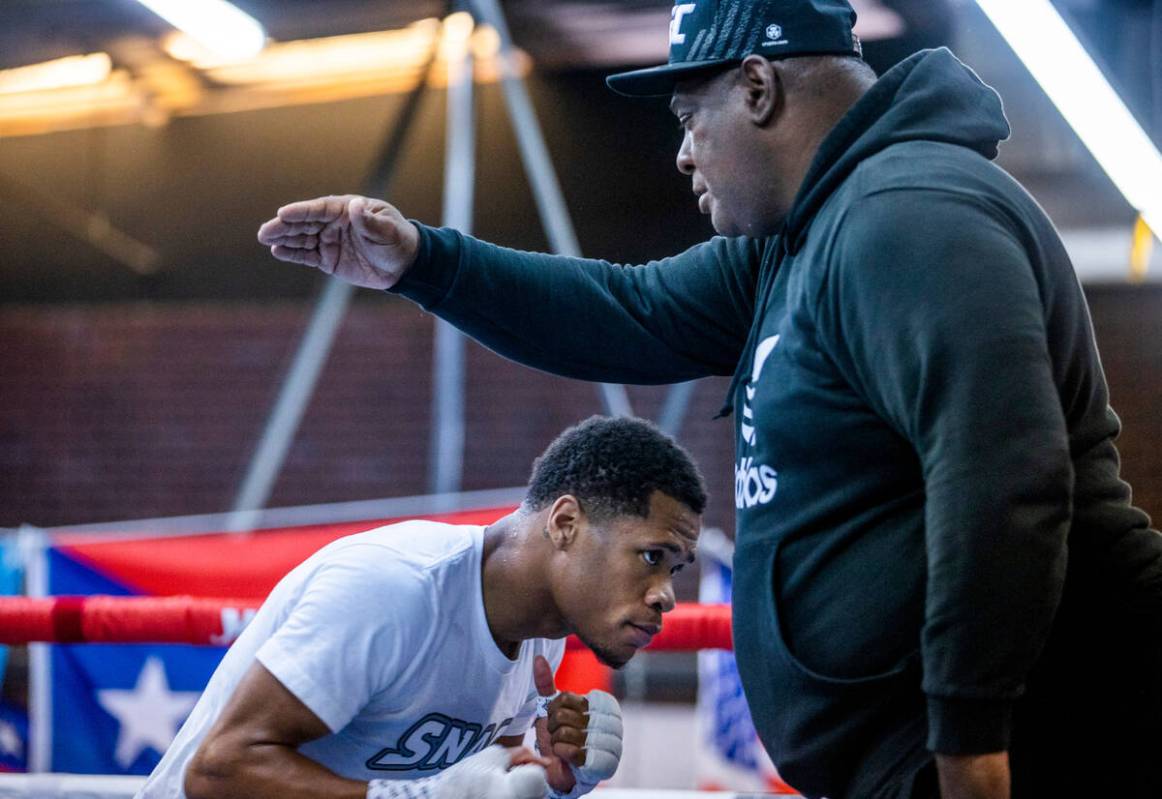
(677, 550)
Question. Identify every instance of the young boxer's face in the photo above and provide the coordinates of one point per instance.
(619, 582)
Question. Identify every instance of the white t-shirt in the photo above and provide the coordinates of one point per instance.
(383, 636)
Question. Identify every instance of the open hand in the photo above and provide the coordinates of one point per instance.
(361, 240)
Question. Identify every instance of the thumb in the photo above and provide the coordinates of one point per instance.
(378, 227)
(543, 677)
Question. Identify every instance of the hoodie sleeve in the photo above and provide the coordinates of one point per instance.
(663, 322)
(931, 309)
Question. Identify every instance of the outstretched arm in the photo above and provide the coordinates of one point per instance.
(666, 321)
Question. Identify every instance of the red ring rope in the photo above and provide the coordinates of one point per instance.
(197, 620)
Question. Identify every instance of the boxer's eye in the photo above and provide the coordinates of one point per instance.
(652, 557)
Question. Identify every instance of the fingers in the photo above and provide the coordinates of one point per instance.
(570, 752)
(301, 242)
(543, 676)
(572, 736)
(296, 255)
(274, 230)
(567, 717)
(321, 209)
(604, 737)
(567, 724)
(569, 701)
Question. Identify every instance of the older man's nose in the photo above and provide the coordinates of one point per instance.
(685, 160)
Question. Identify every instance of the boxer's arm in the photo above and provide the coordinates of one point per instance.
(322, 665)
(251, 751)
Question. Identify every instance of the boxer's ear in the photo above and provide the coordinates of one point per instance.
(564, 521)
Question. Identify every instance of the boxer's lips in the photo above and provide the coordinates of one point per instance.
(642, 634)
(704, 202)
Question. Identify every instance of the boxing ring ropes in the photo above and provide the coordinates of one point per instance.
(690, 627)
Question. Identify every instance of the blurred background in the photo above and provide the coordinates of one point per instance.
(146, 338)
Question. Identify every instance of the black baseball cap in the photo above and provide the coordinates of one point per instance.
(710, 34)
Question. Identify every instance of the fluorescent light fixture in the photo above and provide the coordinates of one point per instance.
(1044, 42)
(359, 56)
(61, 73)
(218, 26)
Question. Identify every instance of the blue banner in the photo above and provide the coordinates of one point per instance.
(13, 738)
(116, 708)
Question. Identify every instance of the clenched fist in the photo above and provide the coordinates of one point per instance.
(581, 735)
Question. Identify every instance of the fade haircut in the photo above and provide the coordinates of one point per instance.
(612, 466)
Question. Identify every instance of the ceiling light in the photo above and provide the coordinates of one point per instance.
(379, 54)
(218, 26)
(62, 73)
(1071, 79)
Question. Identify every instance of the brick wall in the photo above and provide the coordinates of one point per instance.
(1128, 323)
(136, 411)
(132, 411)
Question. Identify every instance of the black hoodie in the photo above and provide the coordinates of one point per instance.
(922, 424)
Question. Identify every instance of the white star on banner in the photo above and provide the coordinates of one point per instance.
(149, 715)
(10, 743)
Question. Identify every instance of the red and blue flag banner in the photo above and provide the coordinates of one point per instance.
(115, 708)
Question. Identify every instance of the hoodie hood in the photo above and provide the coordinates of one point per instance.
(930, 96)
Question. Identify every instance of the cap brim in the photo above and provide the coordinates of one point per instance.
(660, 81)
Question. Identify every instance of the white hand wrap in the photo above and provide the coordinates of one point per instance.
(485, 775)
(603, 734)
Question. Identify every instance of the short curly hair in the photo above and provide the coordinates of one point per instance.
(612, 465)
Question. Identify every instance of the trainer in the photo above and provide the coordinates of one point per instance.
(941, 586)
(388, 664)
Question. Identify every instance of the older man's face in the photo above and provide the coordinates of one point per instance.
(719, 153)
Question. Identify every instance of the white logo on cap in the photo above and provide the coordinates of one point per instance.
(774, 35)
(680, 10)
